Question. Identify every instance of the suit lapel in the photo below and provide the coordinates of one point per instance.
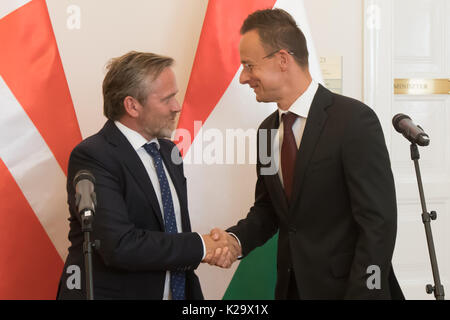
(315, 122)
(134, 164)
(273, 180)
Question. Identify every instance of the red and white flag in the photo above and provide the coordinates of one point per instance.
(38, 130)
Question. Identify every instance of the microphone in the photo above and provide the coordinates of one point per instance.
(414, 133)
(85, 198)
(86, 201)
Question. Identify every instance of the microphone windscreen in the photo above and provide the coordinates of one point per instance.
(396, 120)
(81, 175)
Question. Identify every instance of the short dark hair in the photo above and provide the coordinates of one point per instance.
(127, 76)
(278, 30)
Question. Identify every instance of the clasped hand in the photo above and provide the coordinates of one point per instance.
(222, 249)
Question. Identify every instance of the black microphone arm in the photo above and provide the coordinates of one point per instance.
(414, 133)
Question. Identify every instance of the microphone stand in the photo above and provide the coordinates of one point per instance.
(87, 217)
(438, 288)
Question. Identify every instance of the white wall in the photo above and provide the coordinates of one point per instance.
(111, 28)
(337, 30)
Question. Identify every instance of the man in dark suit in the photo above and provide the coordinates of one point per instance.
(331, 195)
(147, 249)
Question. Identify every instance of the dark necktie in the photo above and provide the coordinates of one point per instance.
(177, 278)
(288, 152)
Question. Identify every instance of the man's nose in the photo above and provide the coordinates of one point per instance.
(176, 106)
(244, 77)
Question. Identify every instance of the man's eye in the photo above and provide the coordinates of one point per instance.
(168, 99)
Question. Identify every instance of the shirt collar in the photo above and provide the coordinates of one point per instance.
(303, 103)
(134, 138)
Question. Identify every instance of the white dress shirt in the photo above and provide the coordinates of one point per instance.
(137, 141)
(301, 108)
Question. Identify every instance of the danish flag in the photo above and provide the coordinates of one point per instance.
(38, 130)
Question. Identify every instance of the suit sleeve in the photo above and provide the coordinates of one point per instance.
(371, 188)
(261, 222)
(123, 245)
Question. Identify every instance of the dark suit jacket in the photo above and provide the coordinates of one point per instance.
(135, 251)
(343, 215)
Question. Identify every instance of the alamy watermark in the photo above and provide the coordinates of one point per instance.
(374, 280)
(229, 146)
(74, 280)
(74, 19)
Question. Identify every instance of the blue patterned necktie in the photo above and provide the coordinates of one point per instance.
(177, 278)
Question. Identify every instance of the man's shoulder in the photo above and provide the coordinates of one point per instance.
(348, 109)
(94, 142)
(94, 152)
(270, 122)
(349, 103)
(95, 145)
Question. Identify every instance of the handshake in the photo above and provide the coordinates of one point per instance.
(222, 249)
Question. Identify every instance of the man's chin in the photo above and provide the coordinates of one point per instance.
(262, 99)
(165, 133)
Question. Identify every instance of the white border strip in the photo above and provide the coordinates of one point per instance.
(34, 169)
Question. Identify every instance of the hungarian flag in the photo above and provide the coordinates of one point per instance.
(38, 130)
(217, 136)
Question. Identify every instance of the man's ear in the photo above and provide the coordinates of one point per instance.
(284, 59)
(132, 106)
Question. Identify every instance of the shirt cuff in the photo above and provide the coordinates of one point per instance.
(239, 242)
(204, 247)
